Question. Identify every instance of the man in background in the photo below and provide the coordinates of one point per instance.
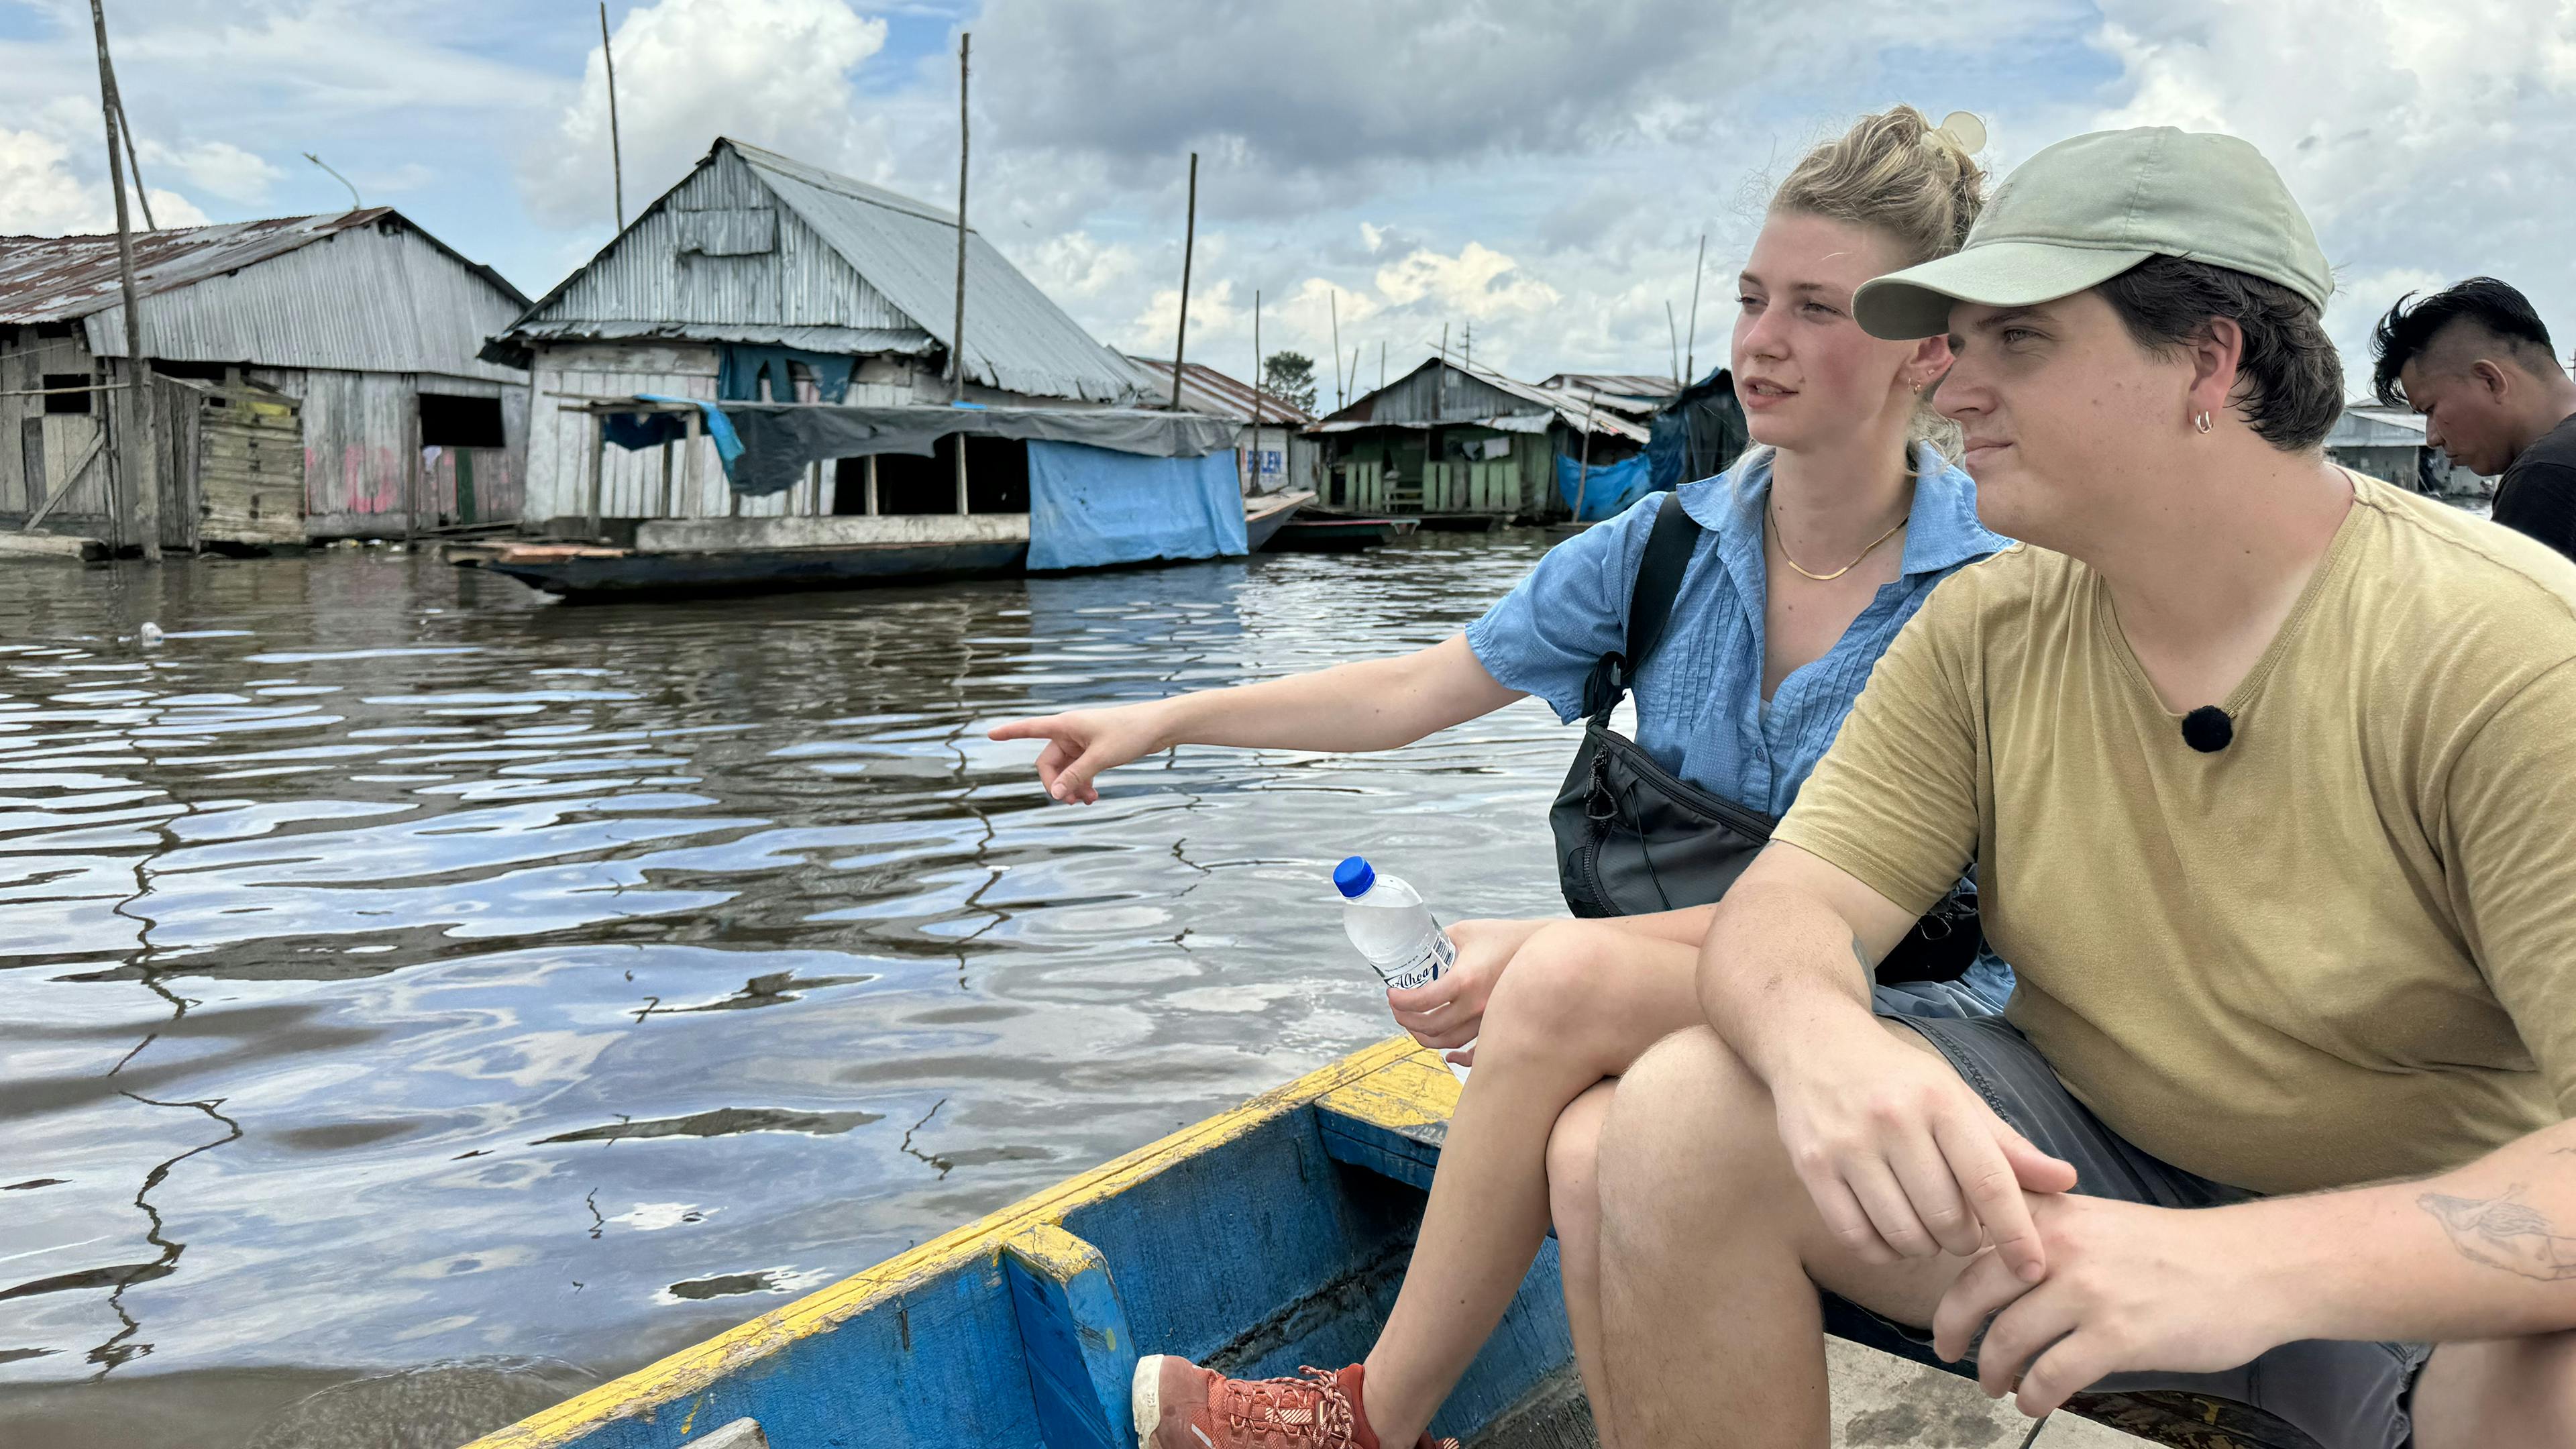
(2475, 361)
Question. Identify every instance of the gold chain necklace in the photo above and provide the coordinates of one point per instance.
(1772, 516)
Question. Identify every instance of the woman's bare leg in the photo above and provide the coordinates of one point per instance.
(1573, 1168)
(1578, 1003)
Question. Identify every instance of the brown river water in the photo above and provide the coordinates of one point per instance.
(400, 969)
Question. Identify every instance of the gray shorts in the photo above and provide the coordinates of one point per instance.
(2344, 1395)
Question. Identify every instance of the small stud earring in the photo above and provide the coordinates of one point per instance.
(1918, 389)
(2200, 420)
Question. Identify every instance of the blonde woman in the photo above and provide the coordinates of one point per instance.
(1812, 551)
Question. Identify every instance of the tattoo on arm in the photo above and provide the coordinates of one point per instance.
(2503, 1233)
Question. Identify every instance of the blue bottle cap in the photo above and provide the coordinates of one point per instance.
(1353, 877)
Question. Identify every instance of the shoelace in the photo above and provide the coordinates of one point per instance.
(1260, 1404)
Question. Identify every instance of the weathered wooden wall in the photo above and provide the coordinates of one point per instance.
(560, 443)
(60, 440)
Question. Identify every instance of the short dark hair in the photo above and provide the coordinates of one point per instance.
(2402, 335)
(2289, 381)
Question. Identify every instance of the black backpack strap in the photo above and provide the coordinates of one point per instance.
(1650, 606)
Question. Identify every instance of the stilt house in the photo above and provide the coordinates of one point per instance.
(311, 377)
(760, 278)
(1274, 452)
(1459, 444)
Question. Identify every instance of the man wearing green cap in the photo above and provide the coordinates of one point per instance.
(2267, 770)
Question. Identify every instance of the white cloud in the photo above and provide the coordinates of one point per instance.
(219, 167)
(774, 73)
(41, 194)
(2426, 144)
(1073, 267)
(1478, 282)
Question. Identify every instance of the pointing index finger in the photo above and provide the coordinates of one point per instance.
(1994, 1192)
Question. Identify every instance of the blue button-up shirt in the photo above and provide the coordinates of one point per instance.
(1699, 701)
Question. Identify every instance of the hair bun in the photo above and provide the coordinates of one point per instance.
(1963, 130)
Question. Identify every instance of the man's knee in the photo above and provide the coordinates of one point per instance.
(1688, 1120)
(2501, 1393)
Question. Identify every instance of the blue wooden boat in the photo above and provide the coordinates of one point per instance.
(1264, 1238)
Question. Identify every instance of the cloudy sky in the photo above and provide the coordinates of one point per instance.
(1537, 171)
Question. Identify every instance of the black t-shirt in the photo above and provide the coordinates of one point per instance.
(2538, 493)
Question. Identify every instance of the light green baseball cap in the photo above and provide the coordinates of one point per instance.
(2087, 209)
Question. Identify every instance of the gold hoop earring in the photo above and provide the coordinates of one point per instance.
(2200, 420)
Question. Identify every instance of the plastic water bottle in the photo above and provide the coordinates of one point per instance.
(1387, 921)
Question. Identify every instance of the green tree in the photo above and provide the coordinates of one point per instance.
(1290, 375)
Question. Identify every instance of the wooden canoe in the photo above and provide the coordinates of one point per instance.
(1264, 1238)
(1262, 517)
(1261, 1239)
(1328, 533)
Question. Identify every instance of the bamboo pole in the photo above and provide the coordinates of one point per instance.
(134, 164)
(598, 467)
(1583, 471)
(1189, 246)
(1333, 299)
(957, 324)
(133, 459)
(616, 148)
(691, 480)
(1252, 474)
(1676, 332)
(1690, 352)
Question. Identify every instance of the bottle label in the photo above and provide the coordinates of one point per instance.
(1428, 965)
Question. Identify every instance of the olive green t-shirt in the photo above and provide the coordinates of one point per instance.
(2341, 949)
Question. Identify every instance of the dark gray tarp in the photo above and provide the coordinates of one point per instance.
(1697, 434)
(780, 439)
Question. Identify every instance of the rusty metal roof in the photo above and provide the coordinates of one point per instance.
(1206, 390)
(386, 296)
(60, 278)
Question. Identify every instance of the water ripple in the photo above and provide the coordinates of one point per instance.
(395, 967)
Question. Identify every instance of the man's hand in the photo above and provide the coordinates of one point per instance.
(1447, 1014)
(2128, 1288)
(1084, 742)
(1904, 1160)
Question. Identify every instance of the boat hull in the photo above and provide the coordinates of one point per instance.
(1327, 534)
(592, 574)
(1260, 1240)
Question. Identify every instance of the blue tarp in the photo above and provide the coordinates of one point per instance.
(1608, 488)
(1091, 506)
(739, 370)
(635, 431)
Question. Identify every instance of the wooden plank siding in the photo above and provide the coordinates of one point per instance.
(55, 441)
(560, 443)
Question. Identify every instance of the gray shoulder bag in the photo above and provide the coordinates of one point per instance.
(1633, 839)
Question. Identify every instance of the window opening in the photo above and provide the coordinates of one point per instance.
(450, 421)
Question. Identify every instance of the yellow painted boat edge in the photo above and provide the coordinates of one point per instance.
(1409, 1094)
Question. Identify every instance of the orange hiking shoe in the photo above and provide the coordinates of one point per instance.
(1178, 1405)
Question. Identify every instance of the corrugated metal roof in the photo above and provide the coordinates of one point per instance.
(910, 340)
(2374, 425)
(60, 278)
(1401, 404)
(366, 291)
(1206, 390)
(1650, 388)
(904, 255)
